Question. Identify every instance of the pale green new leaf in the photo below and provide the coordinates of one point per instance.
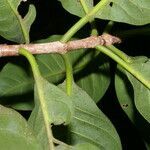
(12, 26)
(15, 133)
(89, 124)
(134, 12)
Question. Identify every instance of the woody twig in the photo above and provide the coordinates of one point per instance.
(59, 47)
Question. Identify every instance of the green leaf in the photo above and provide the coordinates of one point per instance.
(89, 124)
(83, 146)
(123, 87)
(125, 94)
(23, 105)
(14, 81)
(91, 73)
(95, 77)
(147, 146)
(59, 109)
(141, 93)
(86, 146)
(134, 12)
(12, 26)
(15, 84)
(75, 7)
(58, 103)
(15, 133)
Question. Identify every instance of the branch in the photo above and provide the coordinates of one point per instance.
(59, 47)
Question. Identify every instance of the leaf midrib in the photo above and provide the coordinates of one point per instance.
(20, 22)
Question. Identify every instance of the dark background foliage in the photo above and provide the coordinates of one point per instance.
(53, 19)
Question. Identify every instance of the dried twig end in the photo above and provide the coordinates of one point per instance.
(110, 39)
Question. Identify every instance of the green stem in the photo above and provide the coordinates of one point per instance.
(121, 54)
(124, 64)
(84, 20)
(122, 58)
(108, 27)
(69, 70)
(71, 32)
(40, 91)
(69, 74)
(86, 10)
(31, 60)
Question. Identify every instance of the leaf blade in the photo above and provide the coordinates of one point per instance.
(140, 91)
(82, 146)
(125, 94)
(12, 26)
(9, 78)
(75, 7)
(58, 107)
(53, 69)
(89, 124)
(15, 133)
(134, 12)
